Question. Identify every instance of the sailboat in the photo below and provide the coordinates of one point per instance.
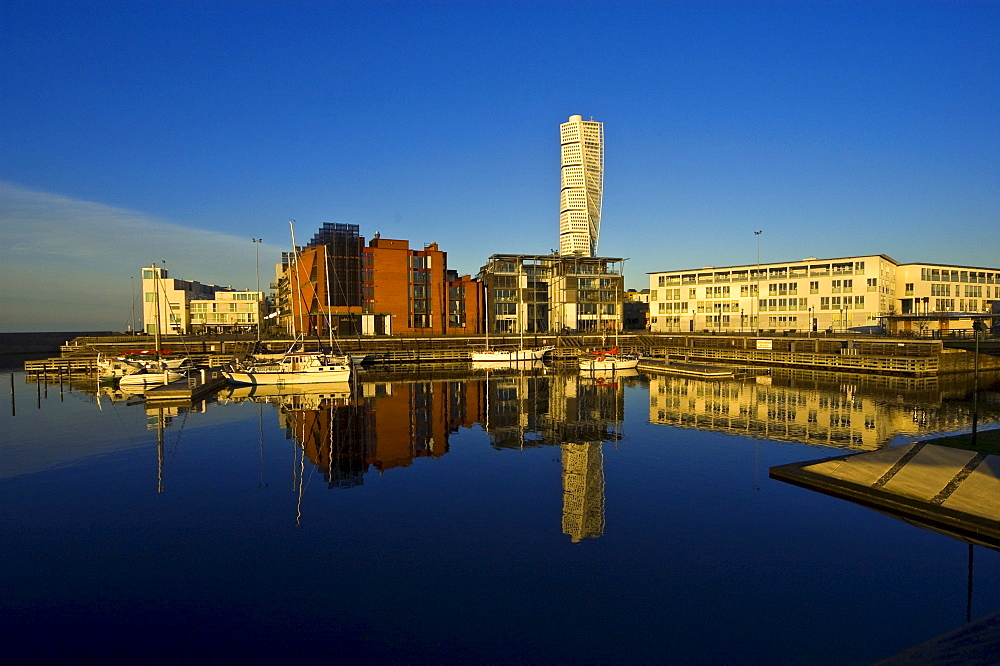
(292, 368)
(295, 367)
(149, 372)
(603, 361)
(609, 360)
(500, 356)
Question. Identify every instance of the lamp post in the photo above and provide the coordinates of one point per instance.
(978, 326)
(256, 244)
(757, 295)
(809, 328)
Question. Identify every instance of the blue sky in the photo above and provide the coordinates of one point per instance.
(133, 132)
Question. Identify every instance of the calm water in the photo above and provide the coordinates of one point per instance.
(460, 517)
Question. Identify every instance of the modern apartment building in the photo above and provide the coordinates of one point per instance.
(822, 294)
(582, 181)
(530, 293)
(185, 306)
(338, 283)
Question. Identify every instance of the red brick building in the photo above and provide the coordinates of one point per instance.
(378, 289)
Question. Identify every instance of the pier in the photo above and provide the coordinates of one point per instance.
(937, 484)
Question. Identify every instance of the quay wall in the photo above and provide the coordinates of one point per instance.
(842, 354)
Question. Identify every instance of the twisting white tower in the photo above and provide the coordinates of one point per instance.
(582, 186)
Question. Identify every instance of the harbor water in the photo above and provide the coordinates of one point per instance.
(464, 516)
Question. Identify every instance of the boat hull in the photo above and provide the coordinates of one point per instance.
(609, 364)
(267, 378)
(510, 356)
(149, 378)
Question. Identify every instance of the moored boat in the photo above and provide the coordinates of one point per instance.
(610, 360)
(292, 368)
(149, 378)
(510, 355)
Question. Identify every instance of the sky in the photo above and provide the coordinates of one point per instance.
(136, 132)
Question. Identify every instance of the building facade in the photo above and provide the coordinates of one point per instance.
(551, 293)
(822, 295)
(339, 286)
(181, 307)
(582, 180)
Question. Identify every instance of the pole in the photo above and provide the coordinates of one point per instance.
(757, 295)
(156, 303)
(976, 327)
(256, 243)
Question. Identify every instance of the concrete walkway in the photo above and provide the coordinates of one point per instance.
(950, 489)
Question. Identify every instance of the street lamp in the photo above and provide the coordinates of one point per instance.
(978, 326)
(256, 244)
(757, 295)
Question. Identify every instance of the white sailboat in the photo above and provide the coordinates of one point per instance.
(610, 360)
(147, 371)
(292, 368)
(295, 367)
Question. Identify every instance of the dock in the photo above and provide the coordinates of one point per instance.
(933, 484)
(702, 371)
(187, 389)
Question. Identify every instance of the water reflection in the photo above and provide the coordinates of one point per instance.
(825, 408)
(377, 425)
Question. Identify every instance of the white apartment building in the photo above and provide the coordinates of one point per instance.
(820, 295)
(582, 180)
(548, 293)
(187, 307)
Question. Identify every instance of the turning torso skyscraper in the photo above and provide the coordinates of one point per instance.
(582, 186)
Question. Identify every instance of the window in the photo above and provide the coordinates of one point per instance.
(908, 288)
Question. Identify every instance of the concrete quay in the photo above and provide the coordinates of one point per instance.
(947, 484)
(869, 355)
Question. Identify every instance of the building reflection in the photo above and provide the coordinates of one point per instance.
(578, 413)
(346, 432)
(386, 422)
(813, 407)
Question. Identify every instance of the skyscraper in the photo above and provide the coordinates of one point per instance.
(582, 186)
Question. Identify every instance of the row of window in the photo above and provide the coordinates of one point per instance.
(762, 274)
(953, 275)
(837, 303)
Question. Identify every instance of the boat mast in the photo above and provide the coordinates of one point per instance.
(294, 265)
(156, 303)
(329, 316)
